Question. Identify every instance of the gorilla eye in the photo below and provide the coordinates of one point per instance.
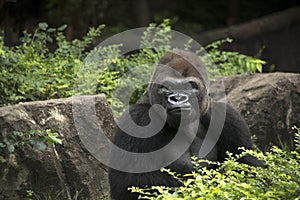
(164, 90)
(193, 85)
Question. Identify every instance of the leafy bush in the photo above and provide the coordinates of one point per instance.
(280, 179)
(231, 63)
(31, 71)
(45, 65)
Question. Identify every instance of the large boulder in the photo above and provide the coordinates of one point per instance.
(270, 104)
(66, 171)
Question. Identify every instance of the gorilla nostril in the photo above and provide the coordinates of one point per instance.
(178, 99)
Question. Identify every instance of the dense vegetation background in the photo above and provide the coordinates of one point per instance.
(190, 17)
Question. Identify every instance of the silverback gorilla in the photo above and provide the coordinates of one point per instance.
(180, 86)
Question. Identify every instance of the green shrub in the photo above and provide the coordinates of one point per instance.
(231, 63)
(45, 65)
(31, 71)
(280, 179)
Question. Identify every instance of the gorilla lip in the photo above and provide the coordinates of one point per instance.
(176, 109)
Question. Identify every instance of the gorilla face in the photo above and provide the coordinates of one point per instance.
(179, 89)
(180, 99)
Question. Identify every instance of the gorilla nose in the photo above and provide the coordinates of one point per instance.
(177, 99)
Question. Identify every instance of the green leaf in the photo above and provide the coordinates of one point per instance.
(40, 145)
(52, 138)
(17, 134)
(31, 132)
(62, 28)
(51, 30)
(259, 68)
(10, 148)
(2, 160)
(43, 26)
(2, 145)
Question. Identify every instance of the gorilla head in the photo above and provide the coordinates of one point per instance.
(180, 85)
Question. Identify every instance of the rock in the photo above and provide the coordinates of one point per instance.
(270, 104)
(66, 171)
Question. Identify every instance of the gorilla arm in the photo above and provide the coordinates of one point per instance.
(235, 133)
(120, 180)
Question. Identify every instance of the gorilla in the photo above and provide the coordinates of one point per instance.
(185, 113)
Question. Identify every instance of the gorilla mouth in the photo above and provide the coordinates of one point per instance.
(177, 103)
(179, 109)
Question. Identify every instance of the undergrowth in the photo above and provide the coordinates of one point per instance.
(280, 179)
